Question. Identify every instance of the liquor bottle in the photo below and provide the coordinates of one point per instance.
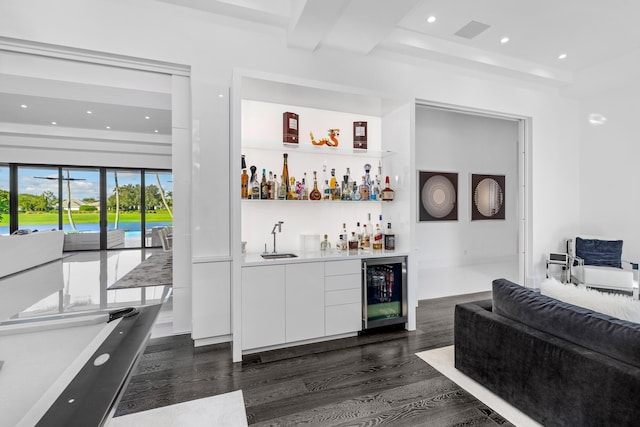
(364, 189)
(344, 237)
(285, 174)
(369, 228)
(367, 176)
(333, 183)
(273, 186)
(326, 191)
(353, 243)
(378, 239)
(346, 188)
(325, 246)
(264, 186)
(292, 189)
(282, 189)
(366, 240)
(389, 239)
(355, 194)
(359, 234)
(387, 192)
(305, 189)
(315, 193)
(254, 185)
(244, 179)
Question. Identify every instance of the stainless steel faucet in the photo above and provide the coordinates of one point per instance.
(278, 225)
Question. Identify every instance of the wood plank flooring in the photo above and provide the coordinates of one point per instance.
(373, 379)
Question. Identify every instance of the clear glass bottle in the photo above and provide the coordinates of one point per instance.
(389, 239)
(387, 192)
(325, 246)
(282, 189)
(366, 239)
(359, 234)
(304, 191)
(292, 189)
(273, 186)
(355, 194)
(344, 237)
(369, 230)
(315, 193)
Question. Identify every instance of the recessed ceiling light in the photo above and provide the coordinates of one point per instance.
(147, 117)
(562, 56)
(24, 106)
(431, 19)
(108, 127)
(504, 40)
(156, 131)
(54, 123)
(220, 95)
(597, 119)
(89, 112)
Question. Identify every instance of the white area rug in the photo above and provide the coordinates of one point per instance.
(223, 410)
(442, 359)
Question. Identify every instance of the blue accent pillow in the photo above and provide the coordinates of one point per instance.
(606, 253)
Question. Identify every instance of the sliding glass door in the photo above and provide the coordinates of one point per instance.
(38, 196)
(81, 208)
(124, 206)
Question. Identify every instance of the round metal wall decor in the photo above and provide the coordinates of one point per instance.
(487, 197)
(438, 196)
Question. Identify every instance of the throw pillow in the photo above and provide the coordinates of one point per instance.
(616, 305)
(606, 253)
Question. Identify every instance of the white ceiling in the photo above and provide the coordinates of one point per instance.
(590, 32)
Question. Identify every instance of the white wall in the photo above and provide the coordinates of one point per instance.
(448, 141)
(609, 158)
(213, 46)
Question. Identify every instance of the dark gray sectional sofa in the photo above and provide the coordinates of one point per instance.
(560, 364)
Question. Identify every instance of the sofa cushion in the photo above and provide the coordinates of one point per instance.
(606, 253)
(599, 332)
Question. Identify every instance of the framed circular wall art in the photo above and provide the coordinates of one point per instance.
(487, 197)
(437, 196)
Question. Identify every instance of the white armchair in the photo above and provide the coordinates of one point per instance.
(596, 262)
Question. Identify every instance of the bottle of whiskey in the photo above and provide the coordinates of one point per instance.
(378, 239)
(273, 186)
(353, 243)
(359, 235)
(285, 174)
(364, 189)
(389, 239)
(387, 192)
(244, 179)
(264, 186)
(366, 239)
(344, 237)
(315, 193)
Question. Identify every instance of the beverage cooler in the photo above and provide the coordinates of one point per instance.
(384, 287)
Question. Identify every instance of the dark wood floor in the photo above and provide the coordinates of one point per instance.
(367, 380)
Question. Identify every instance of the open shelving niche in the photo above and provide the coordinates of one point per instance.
(259, 99)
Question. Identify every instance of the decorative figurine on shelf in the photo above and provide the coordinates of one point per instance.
(332, 141)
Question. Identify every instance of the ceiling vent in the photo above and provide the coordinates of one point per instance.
(472, 29)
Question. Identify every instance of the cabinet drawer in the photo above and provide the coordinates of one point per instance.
(337, 283)
(345, 296)
(336, 268)
(341, 319)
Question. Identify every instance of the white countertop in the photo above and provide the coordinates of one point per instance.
(254, 259)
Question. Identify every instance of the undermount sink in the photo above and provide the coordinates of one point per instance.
(278, 256)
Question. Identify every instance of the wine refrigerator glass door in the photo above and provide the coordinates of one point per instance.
(384, 291)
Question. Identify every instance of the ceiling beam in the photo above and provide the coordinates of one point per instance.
(311, 21)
